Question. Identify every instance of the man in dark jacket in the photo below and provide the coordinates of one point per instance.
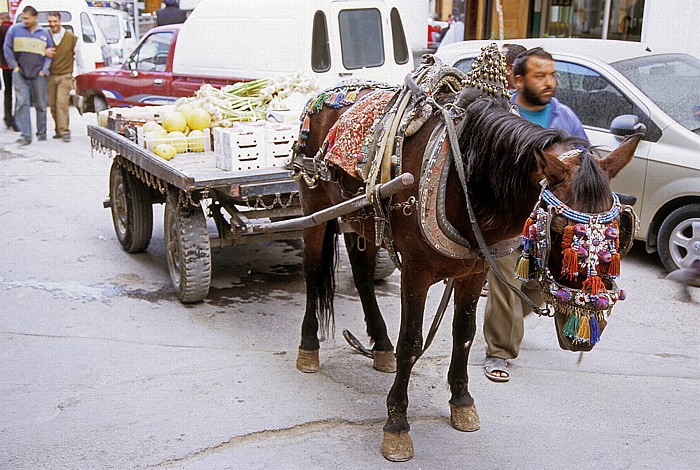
(6, 72)
(171, 14)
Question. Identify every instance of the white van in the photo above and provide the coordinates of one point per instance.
(77, 17)
(118, 30)
(330, 40)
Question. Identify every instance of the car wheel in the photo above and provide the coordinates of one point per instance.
(99, 103)
(385, 267)
(679, 237)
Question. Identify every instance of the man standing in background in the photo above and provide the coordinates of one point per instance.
(60, 81)
(6, 22)
(534, 77)
(171, 14)
(25, 50)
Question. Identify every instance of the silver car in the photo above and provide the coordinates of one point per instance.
(619, 88)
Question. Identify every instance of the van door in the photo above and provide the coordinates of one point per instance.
(358, 40)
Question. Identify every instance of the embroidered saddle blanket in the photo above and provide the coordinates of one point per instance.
(353, 136)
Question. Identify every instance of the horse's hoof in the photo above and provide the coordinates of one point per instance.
(307, 361)
(397, 446)
(464, 418)
(384, 361)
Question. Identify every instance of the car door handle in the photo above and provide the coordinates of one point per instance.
(158, 82)
(344, 74)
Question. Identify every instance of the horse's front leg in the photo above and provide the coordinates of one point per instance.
(463, 413)
(363, 260)
(397, 445)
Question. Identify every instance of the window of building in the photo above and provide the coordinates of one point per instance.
(320, 49)
(361, 38)
(587, 19)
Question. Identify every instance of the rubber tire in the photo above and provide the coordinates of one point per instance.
(132, 212)
(385, 267)
(99, 104)
(668, 228)
(187, 249)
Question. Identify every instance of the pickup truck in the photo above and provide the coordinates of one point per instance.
(222, 43)
(146, 78)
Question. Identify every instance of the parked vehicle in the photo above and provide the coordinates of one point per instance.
(618, 88)
(226, 41)
(77, 17)
(118, 30)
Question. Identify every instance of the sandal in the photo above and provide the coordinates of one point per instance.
(493, 365)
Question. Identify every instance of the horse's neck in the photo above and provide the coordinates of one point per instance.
(496, 224)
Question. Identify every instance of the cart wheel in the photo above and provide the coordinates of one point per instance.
(385, 267)
(132, 213)
(187, 249)
(100, 104)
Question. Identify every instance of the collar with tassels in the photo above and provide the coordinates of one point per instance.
(590, 249)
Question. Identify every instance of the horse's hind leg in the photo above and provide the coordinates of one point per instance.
(397, 445)
(319, 266)
(363, 262)
(463, 414)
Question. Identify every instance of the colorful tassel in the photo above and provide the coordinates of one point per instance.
(583, 335)
(569, 265)
(568, 237)
(594, 284)
(614, 267)
(526, 228)
(595, 329)
(306, 126)
(522, 268)
(571, 326)
(351, 96)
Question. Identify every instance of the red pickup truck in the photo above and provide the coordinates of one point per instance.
(145, 78)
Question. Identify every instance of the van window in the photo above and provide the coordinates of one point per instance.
(152, 54)
(109, 24)
(361, 38)
(65, 16)
(89, 35)
(398, 38)
(320, 50)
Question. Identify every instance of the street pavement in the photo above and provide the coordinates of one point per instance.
(102, 367)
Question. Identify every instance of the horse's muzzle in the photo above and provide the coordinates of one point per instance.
(570, 344)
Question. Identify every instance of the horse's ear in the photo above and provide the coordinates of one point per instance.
(621, 156)
(553, 169)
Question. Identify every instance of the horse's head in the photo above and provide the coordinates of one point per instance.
(575, 238)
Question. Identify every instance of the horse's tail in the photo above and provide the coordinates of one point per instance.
(325, 287)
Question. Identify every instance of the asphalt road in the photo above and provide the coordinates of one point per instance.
(101, 366)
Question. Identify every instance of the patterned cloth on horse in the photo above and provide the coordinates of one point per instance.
(352, 136)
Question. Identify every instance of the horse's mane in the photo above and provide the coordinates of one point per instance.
(498, 151)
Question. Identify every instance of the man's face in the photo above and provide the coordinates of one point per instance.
(539, 83)
(29, 21)
(54, 23)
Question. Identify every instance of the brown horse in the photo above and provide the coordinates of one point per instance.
(505, 159)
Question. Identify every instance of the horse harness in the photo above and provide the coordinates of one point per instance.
(409, 108)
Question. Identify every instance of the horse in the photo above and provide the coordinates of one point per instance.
(504, 158)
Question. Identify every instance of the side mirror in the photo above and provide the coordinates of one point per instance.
(627, 124)
(131, 64)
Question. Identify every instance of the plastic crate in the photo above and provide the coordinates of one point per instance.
(186, 145)
(240, 147)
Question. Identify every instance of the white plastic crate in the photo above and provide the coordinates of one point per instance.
(239, 148)
(186, 145)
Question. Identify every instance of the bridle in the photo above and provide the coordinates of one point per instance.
(591, 250)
